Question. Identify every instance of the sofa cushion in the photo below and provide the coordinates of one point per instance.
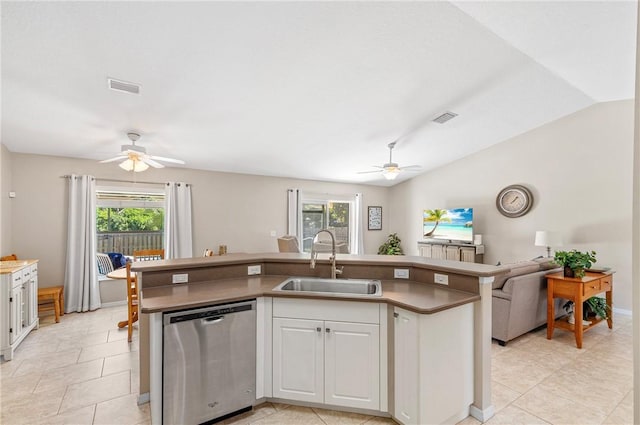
(517, 269)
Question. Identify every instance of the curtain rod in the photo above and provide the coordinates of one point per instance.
(67, 176)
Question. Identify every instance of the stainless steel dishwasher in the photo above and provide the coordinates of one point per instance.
(209, 363)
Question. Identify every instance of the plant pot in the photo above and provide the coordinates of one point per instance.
(568, 272)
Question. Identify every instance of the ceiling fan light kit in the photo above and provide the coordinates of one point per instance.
(133, 165)
(136, 158)
(390, 173)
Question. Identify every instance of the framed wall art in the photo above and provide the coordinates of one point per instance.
(375, 218)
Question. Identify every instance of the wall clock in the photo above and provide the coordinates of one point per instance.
(514, 201)
(375, 218)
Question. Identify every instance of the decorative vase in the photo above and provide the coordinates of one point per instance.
(568, 272)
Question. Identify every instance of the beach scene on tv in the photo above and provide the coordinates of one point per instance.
(455, 224)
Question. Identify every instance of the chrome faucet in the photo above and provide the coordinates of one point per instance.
(334, 271)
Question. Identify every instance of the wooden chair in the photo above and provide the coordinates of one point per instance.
(12, 257)
(148, 254)
(132, 301)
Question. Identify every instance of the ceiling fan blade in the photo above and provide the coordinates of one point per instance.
(160, 158)
(411, 167)
(117, 158)
(368, 172)
(151, 162)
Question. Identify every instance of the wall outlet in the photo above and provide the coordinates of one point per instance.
(442, 279)
(401, 273)
(251, 270)
(180, 278)
(273, 233)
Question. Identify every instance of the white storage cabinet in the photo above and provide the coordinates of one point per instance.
(19, 307)
(327, 352)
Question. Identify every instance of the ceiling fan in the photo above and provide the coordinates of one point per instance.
(390, 170)
(135, 157)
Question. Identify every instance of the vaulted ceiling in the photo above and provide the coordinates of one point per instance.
(312, 90)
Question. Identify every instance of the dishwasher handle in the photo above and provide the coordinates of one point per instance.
(211, 320)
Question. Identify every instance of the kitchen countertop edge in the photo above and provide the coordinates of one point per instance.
(423, 298)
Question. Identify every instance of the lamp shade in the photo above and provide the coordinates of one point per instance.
(547, 238)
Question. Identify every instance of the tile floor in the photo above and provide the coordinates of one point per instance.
(83, 371)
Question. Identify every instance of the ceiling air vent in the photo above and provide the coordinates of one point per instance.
(445, 117)
(124, 86)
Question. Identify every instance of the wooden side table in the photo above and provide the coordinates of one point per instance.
(577, 290)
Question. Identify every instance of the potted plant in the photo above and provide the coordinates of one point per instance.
(391, 246)
(574, 261)
(594, 306)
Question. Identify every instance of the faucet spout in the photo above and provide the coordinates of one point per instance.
(332, 259)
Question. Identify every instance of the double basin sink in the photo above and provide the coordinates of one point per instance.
(337, 287)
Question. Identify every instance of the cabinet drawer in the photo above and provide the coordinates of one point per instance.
(591, 288)
(605, 283)
(339, 311)
(16, 279)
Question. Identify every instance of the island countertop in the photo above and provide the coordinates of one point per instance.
(415, 296)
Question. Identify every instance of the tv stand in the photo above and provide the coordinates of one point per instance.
(451, 250)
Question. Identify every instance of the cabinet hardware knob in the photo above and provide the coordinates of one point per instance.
(328, 330)
(396, 315)
(318, 329)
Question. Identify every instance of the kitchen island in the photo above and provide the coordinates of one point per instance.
(443, 324)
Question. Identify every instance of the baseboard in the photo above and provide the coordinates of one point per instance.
(622, 311)
(143, 398)
(113, 304)
(482, 415)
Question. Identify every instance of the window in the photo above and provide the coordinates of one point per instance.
(336, 213)
(129, 220)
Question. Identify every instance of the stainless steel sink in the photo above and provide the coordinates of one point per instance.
(346, 287)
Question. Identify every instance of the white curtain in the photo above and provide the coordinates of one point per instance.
(293, 216)
(177, 221)
(359, 233)
(81, 289)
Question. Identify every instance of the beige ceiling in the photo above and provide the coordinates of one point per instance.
(312, 90)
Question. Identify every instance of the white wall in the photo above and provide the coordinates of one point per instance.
(5, 202)
(579, 169)
(233, 209)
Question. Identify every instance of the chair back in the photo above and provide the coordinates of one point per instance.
(148, 254)
(288, 243)
(104, 264)
(132, 300)
(132, 283)
(12, 257)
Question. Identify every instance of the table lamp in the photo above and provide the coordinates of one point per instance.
(546, 238)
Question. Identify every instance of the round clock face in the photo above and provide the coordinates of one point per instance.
(514, 201)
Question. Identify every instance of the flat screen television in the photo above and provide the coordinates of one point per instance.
(454, 225)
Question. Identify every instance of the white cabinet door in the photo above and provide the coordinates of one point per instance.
(298, 369)
(406, 366)
(15, 320)
(32, 299)
(352, 365)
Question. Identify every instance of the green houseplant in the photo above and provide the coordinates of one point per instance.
(574, 261)
(391, 246)
(594, 306)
